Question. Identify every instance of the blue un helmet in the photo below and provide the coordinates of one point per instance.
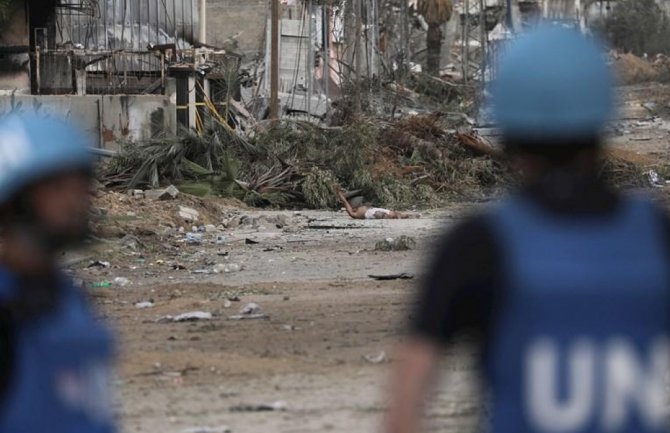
(33, 147)
(553, 85)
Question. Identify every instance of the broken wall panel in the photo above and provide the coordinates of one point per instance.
(14, 53)
(127, 24)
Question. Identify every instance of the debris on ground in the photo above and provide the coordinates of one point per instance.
(121, 281)
(278, 406)
(388, 277)
(144, 305)
(376, 358)
(227, 268)
(169, 193)
(192, 316)
(221, 429)
(402, 243)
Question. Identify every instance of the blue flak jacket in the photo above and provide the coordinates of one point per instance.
(59, 383)
(580, 343)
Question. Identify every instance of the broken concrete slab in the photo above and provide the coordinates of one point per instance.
(188, 214)
(169, 193)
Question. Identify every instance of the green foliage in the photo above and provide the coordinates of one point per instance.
(637, 26)
(317, 189)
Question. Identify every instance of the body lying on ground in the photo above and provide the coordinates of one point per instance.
(371, 213)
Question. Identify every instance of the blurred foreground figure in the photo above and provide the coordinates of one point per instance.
(54, 356)
(566, 282)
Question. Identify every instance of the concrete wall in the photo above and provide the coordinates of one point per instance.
(244, 18)
(108, 120)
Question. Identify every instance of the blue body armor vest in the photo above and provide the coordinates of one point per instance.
(580, 343)
(59, 381)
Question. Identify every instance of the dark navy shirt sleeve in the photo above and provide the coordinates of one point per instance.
(462, 285)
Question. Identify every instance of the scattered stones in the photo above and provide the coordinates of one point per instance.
(98, 264)
(137, 193)
(209, 228)
(169, 193)
(402, 243)
(227, 268)
(131, 242)
(188, 214)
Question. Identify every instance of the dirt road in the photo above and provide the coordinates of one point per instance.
(307, 357)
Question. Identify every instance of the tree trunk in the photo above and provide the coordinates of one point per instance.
(433, 49)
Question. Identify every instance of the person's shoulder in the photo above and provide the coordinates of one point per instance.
(7, 283)
(471, 229)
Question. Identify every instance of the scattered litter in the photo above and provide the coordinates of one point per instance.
(250, 241)
(143, 305)
(377, 358)
(251, 308)
(209, 228)
(401, 276)
(403, 243)
(227, 268)
(655, 179)
(274, 248)
(101, 285)
(131, 242)
(202, 271)
(192, 316)
(188, 214)
(227, 304)
(278, 406)
(98, 264)
(249, 316)
(121, 281)
(222, 429)
(220, 240)
(178, 267)
(194, 238)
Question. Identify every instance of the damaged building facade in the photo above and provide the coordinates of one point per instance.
(125, 70)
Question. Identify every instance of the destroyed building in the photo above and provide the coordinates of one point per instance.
(125, 70)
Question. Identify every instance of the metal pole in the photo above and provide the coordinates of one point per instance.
(484, 41)
(310, 57)
(466, 42)
(325, 28)
(274, 63)
(203, 22)
(406, 35)
(510, 20)
(359, 57)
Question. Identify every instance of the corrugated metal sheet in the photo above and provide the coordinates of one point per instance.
(105, 25)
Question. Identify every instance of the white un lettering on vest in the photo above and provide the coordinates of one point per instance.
(605, 381)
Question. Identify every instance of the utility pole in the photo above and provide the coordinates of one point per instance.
(359, 57)
(203, 22)
(274, 63)
(310, 57)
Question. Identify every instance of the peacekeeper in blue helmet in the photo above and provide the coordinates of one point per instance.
(54, 355)
(566, 282)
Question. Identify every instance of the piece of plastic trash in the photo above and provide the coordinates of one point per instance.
(145, 304)
(227, 268)
(250, 308)
(121, 281)
(220, 239)
(101, 285)
(194, 238)
(376, 358)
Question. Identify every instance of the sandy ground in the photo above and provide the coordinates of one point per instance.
(309, 273)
